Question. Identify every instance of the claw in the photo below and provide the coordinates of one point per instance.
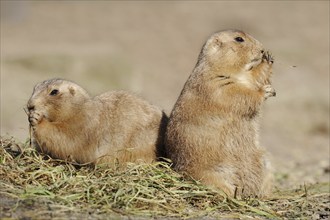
(268, 56)
(269, 91)
(34, 118)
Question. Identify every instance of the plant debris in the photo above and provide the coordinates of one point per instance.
(32, 185)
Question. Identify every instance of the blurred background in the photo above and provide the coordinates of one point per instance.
(151, 48)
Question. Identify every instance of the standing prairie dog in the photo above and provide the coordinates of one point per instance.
(115, 127)
(212, 134)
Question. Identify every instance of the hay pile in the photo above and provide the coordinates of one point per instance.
(35, 186)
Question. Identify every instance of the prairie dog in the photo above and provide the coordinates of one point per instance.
(212, 134)
(114, 127)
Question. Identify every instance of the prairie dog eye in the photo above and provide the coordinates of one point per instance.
(239, 39)
(54, 92)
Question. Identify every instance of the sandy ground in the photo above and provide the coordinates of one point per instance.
(151, 48)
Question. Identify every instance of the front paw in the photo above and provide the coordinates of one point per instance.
(35, 118)
(224, 80)
(267, 56)
(269, 91)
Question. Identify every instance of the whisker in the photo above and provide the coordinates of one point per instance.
(26, 111)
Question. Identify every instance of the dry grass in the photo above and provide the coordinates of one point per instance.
(56, 189)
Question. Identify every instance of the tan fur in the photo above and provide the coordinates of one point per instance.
(115, 127)
(212, 133)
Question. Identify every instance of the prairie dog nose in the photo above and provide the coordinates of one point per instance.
(30, 106)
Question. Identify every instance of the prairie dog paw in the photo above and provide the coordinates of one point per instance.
(269, 91)
(224, 80)
(267, 56)
(35, 118)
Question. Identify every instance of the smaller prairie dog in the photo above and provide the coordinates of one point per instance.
(114, 127)
(212, 134)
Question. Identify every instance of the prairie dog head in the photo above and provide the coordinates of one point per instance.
(57, 99)
(231, 51)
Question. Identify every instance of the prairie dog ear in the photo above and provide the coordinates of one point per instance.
(72, 91)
